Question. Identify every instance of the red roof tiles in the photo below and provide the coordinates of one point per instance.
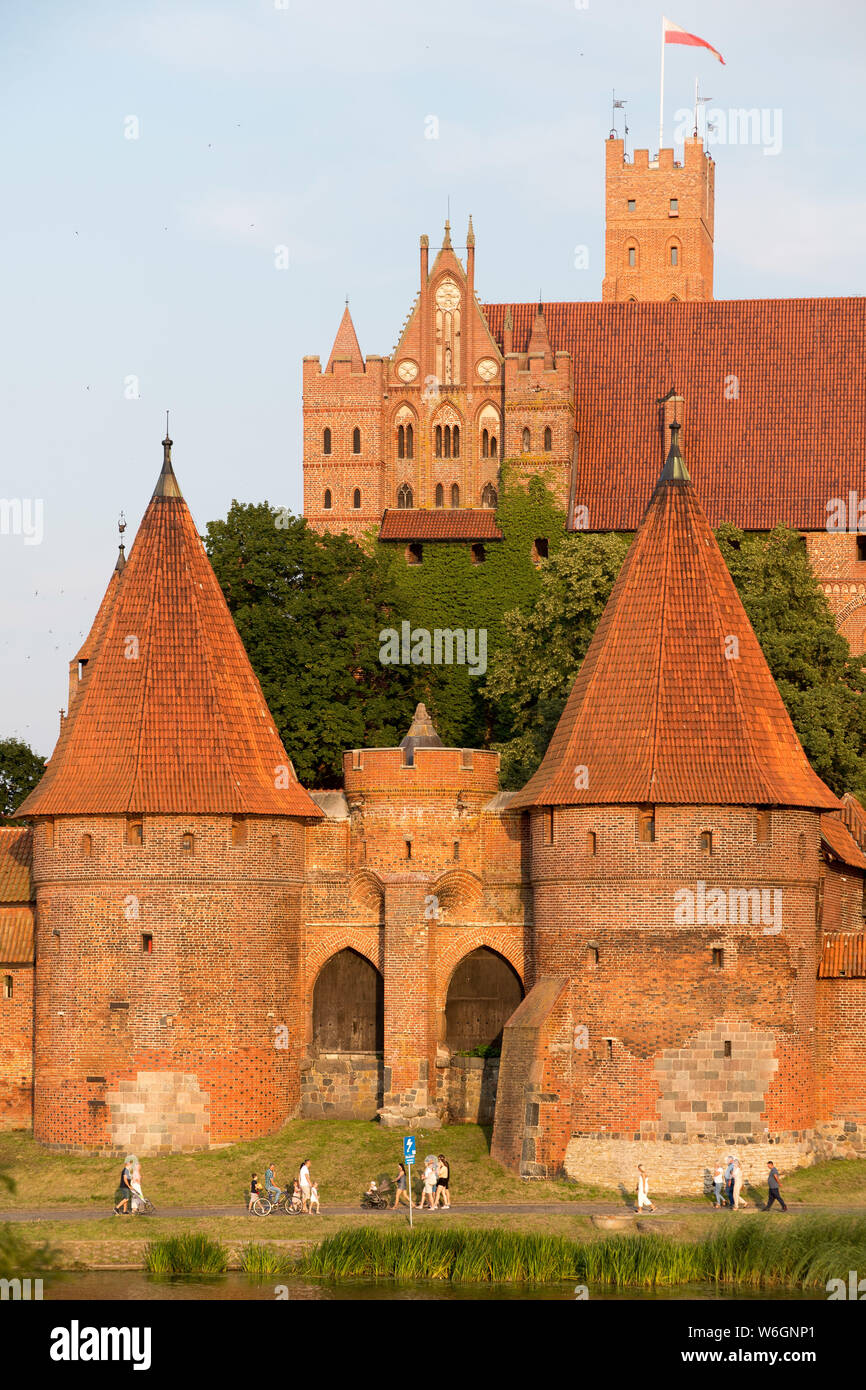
(841, 843)
(843, 956)
(346, 344)
(659, 713)
(16, 854)
(169, 716)
(756, 376)
(419, 524)
(17, 935)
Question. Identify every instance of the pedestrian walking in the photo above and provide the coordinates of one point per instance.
(737, 1186)
(314, 1199)
(255, 1191)
(306, 1184)
(124, 1194)
(401, 1194)
(443, 1177)
(430, 1164)
(718, 1184)
(729, 1180)
(643, 1198)
(137, 1200)
(773, 1192)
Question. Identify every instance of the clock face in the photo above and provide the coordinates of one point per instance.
(407, 371)
(448, 295)
(487, 369)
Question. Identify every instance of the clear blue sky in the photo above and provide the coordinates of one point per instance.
(305, 126)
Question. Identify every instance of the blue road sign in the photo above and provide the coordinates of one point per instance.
(409, 1148)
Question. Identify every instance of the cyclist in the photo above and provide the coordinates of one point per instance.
(271, 1184)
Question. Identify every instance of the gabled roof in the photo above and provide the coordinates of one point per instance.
(439, 524)
(756, 377)
(841, 843)
(16, 854)
(346, 344)
(674, 703)
(170, 717)
(854, 818)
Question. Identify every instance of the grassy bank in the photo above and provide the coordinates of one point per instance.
(800, 1255)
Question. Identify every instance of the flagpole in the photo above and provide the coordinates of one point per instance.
(662, 97)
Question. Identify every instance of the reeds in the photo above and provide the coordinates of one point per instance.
(801, 1254)
(264, 1260)
(185, 1254)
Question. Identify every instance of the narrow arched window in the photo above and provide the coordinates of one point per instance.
(447, 441)
(440, 495)
(356, 440)
(526, 441)
(410, 442)
(439, 441)
(401, 442)
(548, 439)
(485, 444)
(356, 499)
(646, 825)
(327, 501)
(675, 255)
(493, 446)
(455, 495)
(404, 495)
(457, 441)
(326, 442)
(488, 495)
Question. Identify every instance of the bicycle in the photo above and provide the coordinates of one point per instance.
(263, 1206)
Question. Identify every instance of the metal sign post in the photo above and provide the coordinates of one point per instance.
(409, 1159)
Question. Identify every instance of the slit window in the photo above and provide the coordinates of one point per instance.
(456, 439)
(356, 440)
(326, 442)
(591, 842)
(408, 844)
(438, 441)
(609, 1042)
(485, 444)
(705, 841)
(547, 825)
(592, 956)
(632, 256)
(675, 255)
(718, 957)
(135, 831)
(356, 499)
(8, 987)
(239, 830)
(327, 503)
(527, 441)
(646, 825)
(456, 849)
(401, 442)
(410, 442)
(548, 439)
(728, 1049)
(147, 943)
(87, 845)
(49, 833)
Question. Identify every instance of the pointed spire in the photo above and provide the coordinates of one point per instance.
(470, 234)
(167, 484)
(346, 346)
(675, 470)
(121, 553)
(421, 734)
(539, 342)
(446, 244)
(674, 703)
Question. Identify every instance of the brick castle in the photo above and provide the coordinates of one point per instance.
(664, 927)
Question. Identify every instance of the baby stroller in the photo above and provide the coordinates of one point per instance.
(374, 1200)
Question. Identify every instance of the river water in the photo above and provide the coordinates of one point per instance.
(134, 1286)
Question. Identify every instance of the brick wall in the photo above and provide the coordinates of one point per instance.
(341, 1086)
(16, 1047)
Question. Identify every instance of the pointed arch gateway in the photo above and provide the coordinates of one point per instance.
(348, 1004)
(483, 992)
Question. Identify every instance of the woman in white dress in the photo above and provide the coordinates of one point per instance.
(643, 1190)
(429, 1182)
(137, 1194)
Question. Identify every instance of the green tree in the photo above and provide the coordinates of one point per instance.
(546, 640)
(309, 609)
(20, 770)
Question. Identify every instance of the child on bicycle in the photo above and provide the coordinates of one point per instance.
(255, 1191)
(297, 1196)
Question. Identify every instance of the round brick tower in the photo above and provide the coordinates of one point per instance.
(168, 862)
(675, 830)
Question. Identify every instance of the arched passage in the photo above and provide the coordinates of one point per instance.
(348, 1005)
(483, 994)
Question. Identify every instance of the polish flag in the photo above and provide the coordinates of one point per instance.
(674, 34)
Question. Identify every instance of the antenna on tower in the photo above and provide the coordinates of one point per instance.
(614, 107)
(699, 101)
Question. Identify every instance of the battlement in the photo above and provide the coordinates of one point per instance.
(444, 771)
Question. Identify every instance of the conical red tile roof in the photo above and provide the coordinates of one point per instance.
(663, 711)
(346, 343)
(182, 726)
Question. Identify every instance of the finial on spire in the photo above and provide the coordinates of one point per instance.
(675, 470)
(166, 483)
(121, 553)
(447, 241)
(470, 235)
